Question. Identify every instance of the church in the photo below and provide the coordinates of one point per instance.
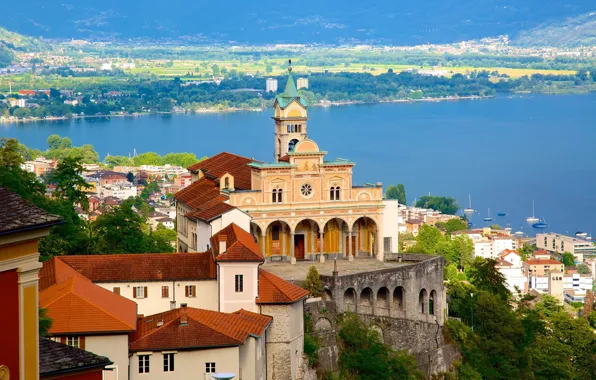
(299, 207)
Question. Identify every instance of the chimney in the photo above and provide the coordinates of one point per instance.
(183, 315)
(222, 243)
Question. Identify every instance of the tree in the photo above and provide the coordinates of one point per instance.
(313, 282)
(427, 240)
(455, 224)
(446, 205)
(53, 141)
(583, 269)
(484, 276)
(568, 259)
(396, 192)
(130, 177)
(496, 227)
(10, 155)
(69, 183)
(149, 158)
(45, 322)
(364, 356)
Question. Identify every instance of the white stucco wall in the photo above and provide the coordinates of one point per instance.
(115, 348)
(391, 223)
(188, 365)
(483, 249)
(240, 218)
(230, 300)
(206, 297)
(203, 236)
(499, 245)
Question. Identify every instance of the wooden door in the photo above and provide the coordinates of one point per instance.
(299, 247)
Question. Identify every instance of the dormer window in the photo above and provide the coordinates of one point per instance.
(226, 183)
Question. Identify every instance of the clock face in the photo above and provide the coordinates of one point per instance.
(306, 190)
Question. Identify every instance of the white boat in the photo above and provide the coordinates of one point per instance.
(488, 218)
(581, 234)
(469, 210)
(532, 219)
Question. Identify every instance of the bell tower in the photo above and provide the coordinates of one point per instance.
(290, 118)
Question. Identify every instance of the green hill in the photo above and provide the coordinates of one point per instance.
(572, 32)
(11, 42)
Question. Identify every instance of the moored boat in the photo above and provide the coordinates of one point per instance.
(488, 218)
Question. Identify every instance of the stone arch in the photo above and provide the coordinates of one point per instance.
(323, 324)
(399, 298)
(365, 231)
(334, 235)
(364, 196)
(350, 300)
(379, 330)
(310, 229)
(277, 238)
(292, 145)
(383, 303)
(365, 305)
(327, 296)
(422, 300)
(432, 303)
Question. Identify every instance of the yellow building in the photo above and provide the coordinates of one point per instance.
(22, 225)
(301, 205)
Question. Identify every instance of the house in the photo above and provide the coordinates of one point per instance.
(413, 225)
(226, 280)
(545, 275)
(190, 343)
(557, 243)
(23, 354)
(166, 222)
(120, 190)
(509, 264)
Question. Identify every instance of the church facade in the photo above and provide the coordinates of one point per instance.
(301, 206)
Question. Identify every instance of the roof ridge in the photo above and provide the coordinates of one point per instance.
(63, 295)
(276, 277)
(214, 328)
(158, 328)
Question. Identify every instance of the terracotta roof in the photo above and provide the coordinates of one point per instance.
(55, 271)
(285, 158)
(79, 306)
(204, 328)
(56, 359)
(506, 253)
(275, 290)
(542, 262)
(504, 263)
(414, 221)
(223, 163)
(211, 210)
(16, 214)
(144, 267)
(240, 245)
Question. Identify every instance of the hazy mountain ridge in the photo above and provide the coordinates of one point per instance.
(571, 32)
(331, 21)
(11, 42)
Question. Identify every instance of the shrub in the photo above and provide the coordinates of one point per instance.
(313, 282)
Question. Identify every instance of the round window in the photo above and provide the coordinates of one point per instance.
(306, 190)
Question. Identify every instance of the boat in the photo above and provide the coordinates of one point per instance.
(508, 229)
(470, 224)
(532, 219)
(469, 210)
(501, 214)
(488, 218)
(540, 224)
(581, 234)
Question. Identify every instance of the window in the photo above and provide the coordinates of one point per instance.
(143, 363)
(288, 128)
(332, 193)
(139, 292)
(168, 362)
(190, 290)
(387, 244)
(306, 190)
(209, 367)
(117, 290)
(73, 341)
(275, 232)
(227, 183)
(165, 291)
(337, 193)
(194, 240)
(279, 192)
(274, 196)
(239, 283)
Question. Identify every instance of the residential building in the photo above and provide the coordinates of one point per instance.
(60, 361)
(271, 85)
(189, 343)
(40, 166)
(212, 307)
(106, 177)
(558, 243)
(510, 265)
(301, 206)
(539, 267)
(575, 281)
(120, 190)
(302, 83)
(488, 243)
(413, 225)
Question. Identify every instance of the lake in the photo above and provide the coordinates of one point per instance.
(505, 152)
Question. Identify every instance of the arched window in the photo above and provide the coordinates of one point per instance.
(279, 194)
(300, 128)
(274, 196)
(422, 301)
(337, 193)
(332, 193)
(288, 126)
(293, 129)
(431, 303)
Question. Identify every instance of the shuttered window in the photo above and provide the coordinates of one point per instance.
(190, 291)
(165, 291)
(239, 283)
(139, 292)
(117, 290)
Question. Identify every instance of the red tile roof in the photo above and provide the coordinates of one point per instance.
(79, 306)
(240, 245)
(205, 328)
(55, 271)
(275, 290)
(205, 198)
(542, 262)
(144, 267)
(506, 252)
(504, 263)
(223, 163)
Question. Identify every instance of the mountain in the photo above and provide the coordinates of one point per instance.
(571, 32)
(306, 21)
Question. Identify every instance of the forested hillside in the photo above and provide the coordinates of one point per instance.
(571, 32)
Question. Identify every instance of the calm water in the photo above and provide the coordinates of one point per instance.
(505, 152)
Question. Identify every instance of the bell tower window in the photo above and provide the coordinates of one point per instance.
(292, 145)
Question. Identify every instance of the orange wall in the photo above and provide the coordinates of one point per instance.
(9, 320)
